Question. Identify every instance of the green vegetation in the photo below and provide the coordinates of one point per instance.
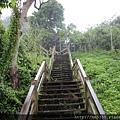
(100, 57)
(6, 3)
(28, 62)
(104, 74)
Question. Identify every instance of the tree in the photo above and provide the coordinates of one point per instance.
(6, 3)
(47, 23)
(19, 15)
(4, 56)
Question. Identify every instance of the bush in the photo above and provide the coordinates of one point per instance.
(104, 73)
(10, 104)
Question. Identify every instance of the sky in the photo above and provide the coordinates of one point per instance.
(85, 13)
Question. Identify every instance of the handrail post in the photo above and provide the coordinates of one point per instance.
(36, 100)
(45, 70)
(86, 95)
(70, 58)
(52, 59)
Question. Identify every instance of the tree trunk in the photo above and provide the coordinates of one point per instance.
(26, 6)
(74, 47)
(14, 68)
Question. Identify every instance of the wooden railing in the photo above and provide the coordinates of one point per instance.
(46, 52)
(93, 106)
(64, 51)
(52, 59)
(70, 58)
(30, 105)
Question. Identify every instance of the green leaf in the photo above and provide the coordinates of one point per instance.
(13, 2)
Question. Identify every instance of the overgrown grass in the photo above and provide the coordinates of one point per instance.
(103, 68)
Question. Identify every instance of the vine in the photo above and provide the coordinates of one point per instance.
(14, 32)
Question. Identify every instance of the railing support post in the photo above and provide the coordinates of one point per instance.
(36, 100)
(87, 96)
(86, 93)
(35, 97)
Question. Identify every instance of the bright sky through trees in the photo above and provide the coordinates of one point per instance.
(85, 13)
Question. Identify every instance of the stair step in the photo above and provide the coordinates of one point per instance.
(61, 76)
(60, 111)
(62, 81)
(62, 94)
(61, 89)
(60, 118)
(61, 68)
(60, 71)
(63, 86)
(62, 65)
(62, 59)
(61, 104)
(61, 99)
(59, 107)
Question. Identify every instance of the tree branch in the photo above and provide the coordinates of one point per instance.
(40, 4)
(26, 6)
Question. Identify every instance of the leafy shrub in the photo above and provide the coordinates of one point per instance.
(104, 73)
(10, 104)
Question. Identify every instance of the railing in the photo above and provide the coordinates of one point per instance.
(30, 105)
(46, 52)
(64, 51)
(52, 59)
(93, 105)
(70, 58)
